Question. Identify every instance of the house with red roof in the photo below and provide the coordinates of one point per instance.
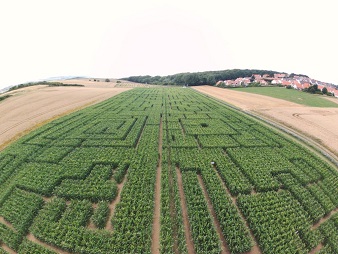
(296, 82)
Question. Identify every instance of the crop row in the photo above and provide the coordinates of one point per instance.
(304, 197)
(233, 228)
(19, 209)
(201, 225)
(329, 229)
(279, 222)
(172, 231)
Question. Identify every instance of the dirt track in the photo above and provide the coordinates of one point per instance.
(319, 124)
(30, 107)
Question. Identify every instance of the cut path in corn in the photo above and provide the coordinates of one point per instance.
(173, 208)
(6, 248)
(255, 249)
(225, 248)
(33, 239)
(113, 204)
(325, 218)
(155, 246)
(141, 133)
(187, 232)
(6, 223)
(317, 249)
(9, 225)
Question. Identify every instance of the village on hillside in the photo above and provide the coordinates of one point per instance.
(298, 82)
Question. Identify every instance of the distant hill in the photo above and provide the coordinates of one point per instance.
(5, 89)
(38, 82)
(198, 78)
(64, 78)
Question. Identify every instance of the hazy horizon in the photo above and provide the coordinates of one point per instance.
(115, 39)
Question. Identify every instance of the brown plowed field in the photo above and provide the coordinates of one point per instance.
(319, 124)
(30, 107)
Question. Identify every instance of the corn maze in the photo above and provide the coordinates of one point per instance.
(211, 179)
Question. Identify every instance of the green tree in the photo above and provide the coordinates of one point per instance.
(190, 79)
(324, 90)
(312, 89)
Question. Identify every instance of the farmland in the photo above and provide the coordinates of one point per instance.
(317, 124)
(164, 170)
(45, 103)
(291, 95)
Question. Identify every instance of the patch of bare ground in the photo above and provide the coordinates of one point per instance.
(325, 218)
(225, 248)
(188, 236)
(6, 248)
(317, 125)
(31, 107)
(33, 239)
(316, 249)
(155, 238)
(6, 223)
(47, 199)
(255, 249)
(113, 204)
(172, 208)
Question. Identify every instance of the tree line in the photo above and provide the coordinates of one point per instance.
(48, 83)
(198, 78)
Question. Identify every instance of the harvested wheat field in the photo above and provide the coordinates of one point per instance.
(319, 124)
(101, 83)
(30, 107)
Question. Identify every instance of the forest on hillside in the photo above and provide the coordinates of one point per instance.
(197, 78)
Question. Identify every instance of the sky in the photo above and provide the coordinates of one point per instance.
(115, 39)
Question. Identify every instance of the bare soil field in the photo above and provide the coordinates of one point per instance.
(30, 107)
(318, 124)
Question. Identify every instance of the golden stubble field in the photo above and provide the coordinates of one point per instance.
(318, 124)
(31, 107)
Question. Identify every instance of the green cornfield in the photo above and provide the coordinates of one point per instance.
(86, 182)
